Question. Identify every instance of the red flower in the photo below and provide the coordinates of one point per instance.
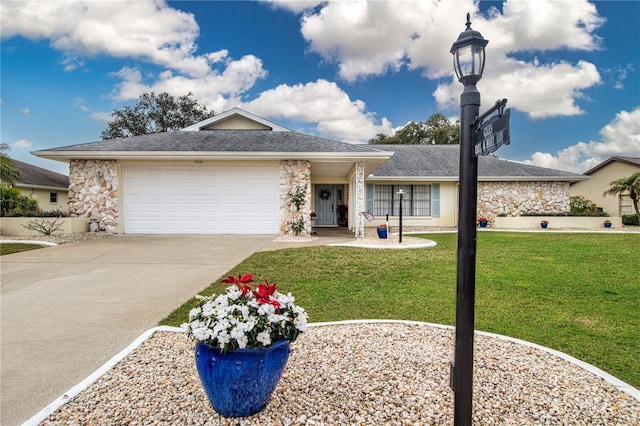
(241, 282)
(263, 294)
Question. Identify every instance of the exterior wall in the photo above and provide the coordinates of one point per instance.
(12, 226)
(593, 188)
(42, 195)
(93, 192)
(238, 123)
(448, 216)
(559, 222)
(293, 174)
(515, 198)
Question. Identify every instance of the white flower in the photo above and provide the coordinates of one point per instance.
(208, 309)
(234, 292)
(300, 322)
(275, 318)
(193, 314)
(264, 338)
(266, 309)
(222, 301)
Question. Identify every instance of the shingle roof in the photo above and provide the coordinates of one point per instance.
(442, 161)
(219, 141)
(37, 176)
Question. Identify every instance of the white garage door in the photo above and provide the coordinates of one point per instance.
(201, 199)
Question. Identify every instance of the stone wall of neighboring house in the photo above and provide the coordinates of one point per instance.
(293, 174)
(516, 198)
(93, 191)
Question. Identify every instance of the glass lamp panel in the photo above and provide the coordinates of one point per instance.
(469, 60)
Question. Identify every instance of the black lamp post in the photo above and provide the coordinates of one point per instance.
(468, 60)
(401, 194)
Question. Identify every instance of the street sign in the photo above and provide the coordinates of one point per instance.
(492, 134)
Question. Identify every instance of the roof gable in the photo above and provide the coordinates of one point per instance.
(633, 161)
(235, 119)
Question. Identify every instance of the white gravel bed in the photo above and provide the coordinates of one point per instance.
(359, 374)
(58, 238)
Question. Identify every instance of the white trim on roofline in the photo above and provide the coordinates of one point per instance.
(230, 113)
(375, 178)
(214, 155)
(43, 187)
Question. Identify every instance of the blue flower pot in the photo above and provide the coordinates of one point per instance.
(483, 223)
(382, 232)
(240, 383)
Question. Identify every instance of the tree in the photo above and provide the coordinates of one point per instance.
(154, 114)
(626, 186)
(437, 130)
(8, 172)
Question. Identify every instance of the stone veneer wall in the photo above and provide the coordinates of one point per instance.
(93, 191)
(516, 198)
(294, 173)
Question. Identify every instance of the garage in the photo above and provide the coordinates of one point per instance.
(197, 198)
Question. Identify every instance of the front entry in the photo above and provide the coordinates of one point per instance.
(327, 204)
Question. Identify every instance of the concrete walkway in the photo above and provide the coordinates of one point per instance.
(66, 310)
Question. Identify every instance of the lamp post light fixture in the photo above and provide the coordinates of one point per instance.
(468, 59)
(401, 194)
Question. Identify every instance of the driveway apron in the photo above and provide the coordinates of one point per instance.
(67, 310)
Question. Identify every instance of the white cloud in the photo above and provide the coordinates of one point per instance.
(619, 138)
(371, 38)
(296, 6)
(80, 104)
(538, 90)
(26, 112)
(324, 103)
(134, 29)
(101, 118)
(22, 143)
(217, 90)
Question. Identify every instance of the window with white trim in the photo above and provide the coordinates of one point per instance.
(416, 200)
(626, 205)
(53, 197)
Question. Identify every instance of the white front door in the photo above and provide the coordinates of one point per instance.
(225, 198)
(326, 205)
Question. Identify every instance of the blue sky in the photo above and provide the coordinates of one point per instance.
(344, 70)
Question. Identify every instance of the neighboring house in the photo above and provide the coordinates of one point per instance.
(233, 174)
(601, 177)
(49, 188)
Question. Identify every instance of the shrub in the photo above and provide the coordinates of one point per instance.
(580, 206)
(43, 226)
(631, 219)
(14, 204)
(53, 213)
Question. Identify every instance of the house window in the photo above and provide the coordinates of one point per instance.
(53, 197)
(626, 206)
(416, 200)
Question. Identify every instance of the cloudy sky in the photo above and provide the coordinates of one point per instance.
(344, 70)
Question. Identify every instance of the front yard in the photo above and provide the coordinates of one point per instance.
(577, 293)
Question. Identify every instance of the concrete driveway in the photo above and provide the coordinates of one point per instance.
(67, 310)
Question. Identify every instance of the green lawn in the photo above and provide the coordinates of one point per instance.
(577, 293)
(17, 247)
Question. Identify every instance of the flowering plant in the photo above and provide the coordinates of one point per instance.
(544, 221)
(483, 219)
(313, 214)
(384, 225)
(244, 317)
